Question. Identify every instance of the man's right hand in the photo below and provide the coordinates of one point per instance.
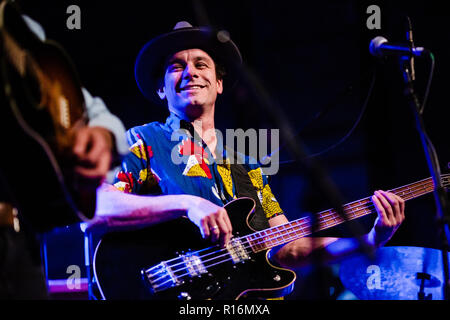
(212, 220)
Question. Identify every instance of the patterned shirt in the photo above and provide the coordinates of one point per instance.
(165, 158)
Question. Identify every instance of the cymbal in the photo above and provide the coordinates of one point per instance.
(395, 273)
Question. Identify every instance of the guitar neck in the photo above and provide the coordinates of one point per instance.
(302, 227)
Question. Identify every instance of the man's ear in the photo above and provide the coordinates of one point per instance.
(219, 86)
(161, 93)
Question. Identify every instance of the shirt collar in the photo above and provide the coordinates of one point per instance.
(174, 123)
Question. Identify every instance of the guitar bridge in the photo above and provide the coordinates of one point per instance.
(160, 277)
(164, 276)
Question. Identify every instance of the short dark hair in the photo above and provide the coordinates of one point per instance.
(221, 72)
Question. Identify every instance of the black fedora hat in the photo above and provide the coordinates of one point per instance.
(150, 60)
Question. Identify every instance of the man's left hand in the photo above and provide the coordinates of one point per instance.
(391, 213)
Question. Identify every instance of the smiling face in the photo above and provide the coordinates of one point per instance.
(190, 84)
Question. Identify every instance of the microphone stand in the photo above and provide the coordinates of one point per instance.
(440, 197)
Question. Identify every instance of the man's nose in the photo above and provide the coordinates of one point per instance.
(189, 71)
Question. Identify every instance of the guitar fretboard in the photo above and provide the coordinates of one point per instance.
(302, 227)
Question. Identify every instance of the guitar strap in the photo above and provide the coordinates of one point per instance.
(245, 188)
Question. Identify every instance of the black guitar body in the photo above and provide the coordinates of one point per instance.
(120, 257)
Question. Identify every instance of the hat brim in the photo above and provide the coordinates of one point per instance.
(150, 60)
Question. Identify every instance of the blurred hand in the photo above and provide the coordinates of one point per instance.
(93, 153)
(391, 213)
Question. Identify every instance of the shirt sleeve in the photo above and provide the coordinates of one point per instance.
(136, 175)
(268, 201)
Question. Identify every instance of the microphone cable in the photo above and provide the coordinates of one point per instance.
(352, 129)
(430, 77)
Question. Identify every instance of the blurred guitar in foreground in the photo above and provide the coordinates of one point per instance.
(41, 107)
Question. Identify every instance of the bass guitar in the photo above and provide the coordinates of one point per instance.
(172, 261)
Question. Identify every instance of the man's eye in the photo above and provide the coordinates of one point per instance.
(175, 67)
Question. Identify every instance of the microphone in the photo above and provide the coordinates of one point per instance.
(380, 47)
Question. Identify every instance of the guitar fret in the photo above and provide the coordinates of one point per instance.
(284, 235)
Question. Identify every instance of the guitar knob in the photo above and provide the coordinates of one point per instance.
(184, 296)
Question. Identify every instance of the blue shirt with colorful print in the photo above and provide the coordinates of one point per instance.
(167, 158)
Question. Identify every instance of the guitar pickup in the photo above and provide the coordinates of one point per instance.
(194, 264)
(237, 251)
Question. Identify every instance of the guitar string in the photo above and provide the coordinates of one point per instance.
(182, 269)
(283, 236)
(277, 239)
(226, 254)
(205, 265)
(412, 189)
(288, 234)
(362, 202)
(405, 192)
(355, 213)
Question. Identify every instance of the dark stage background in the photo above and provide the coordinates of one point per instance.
(313, 62)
